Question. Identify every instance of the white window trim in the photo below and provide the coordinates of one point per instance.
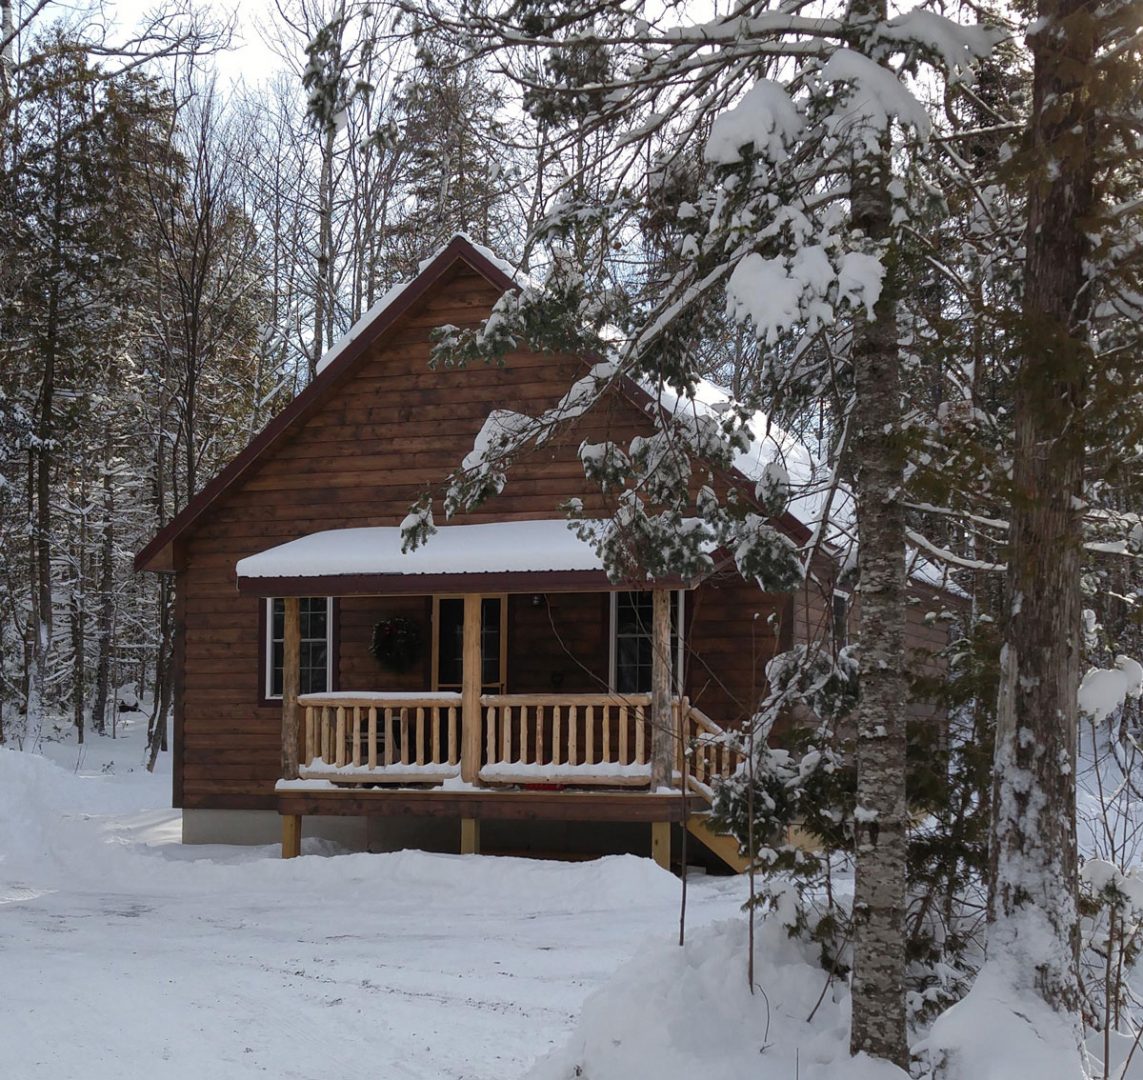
(613, 644)
(268, 648)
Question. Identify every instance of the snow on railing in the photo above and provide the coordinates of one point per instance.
(361, 737)
(569, 739)
(601, 739)
(711, 753)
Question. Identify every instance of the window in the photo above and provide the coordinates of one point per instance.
(449, 642)
(316, 652)
(631, 614)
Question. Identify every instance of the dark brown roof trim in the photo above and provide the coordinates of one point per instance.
(459, 249)
(427, 584)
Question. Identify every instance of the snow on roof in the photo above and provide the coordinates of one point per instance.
(351, 335)
(810, 481)
(818, 499)
(394, 294)
(497, 547)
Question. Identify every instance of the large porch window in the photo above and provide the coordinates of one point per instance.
(631, 642)
(316, 617)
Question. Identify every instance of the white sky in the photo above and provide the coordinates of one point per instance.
(249, 58)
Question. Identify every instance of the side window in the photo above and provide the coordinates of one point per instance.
(631, 614)
(316, 652)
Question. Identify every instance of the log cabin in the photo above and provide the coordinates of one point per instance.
(492, 690)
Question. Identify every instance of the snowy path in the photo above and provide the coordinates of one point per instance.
(124, 954)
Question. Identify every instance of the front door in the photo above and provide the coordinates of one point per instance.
(448, 643)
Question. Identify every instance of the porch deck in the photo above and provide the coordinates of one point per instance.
(570, 757)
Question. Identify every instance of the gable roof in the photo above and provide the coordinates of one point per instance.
(335, 364)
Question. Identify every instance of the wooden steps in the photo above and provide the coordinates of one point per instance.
(721, 844)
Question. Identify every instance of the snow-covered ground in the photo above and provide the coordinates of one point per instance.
(125, 954)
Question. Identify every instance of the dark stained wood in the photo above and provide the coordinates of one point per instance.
(178, 698)
(488, 805)
(356, 449)
(664, 747)
(291, 654)
(419, 584)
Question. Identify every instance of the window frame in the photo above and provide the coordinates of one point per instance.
(267, 679)
(679, 596)
(435, 632)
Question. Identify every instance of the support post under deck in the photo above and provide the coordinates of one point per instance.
(469, 836)
(291, 836)
(661, 843)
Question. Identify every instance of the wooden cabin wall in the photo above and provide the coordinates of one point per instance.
(358, 669)
(560, 645)
(362, 458)
(393, 427)
(733, 630)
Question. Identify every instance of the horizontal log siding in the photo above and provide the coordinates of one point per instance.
(560, 646)
(730, 641)
(362, 459)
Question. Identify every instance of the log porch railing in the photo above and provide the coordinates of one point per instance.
(569, 739)
(710, 752)
(361, 737)
(599, 739)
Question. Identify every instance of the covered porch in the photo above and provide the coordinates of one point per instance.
(475, 751)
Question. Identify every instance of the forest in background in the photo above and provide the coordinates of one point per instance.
(177, 252)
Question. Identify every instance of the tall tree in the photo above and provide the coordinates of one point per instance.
(796, 225)
(1073, 409)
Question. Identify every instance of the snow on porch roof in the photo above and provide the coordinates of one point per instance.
(529, 554)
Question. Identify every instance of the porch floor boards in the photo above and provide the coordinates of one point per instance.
(490, 805)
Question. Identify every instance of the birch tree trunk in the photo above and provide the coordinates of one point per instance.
(879, 1025)
(1033, 932)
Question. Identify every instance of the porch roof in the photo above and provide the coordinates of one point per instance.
(502, 556)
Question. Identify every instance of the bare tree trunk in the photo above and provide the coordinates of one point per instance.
(879, 1022)
(1033, 932)
(106, 598)
(157, 727)
(43, 598)
(323, 296)
(79, 619)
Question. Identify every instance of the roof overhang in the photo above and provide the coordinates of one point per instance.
(497, 557)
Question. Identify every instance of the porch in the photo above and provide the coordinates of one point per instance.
(460, 739)
(518, 757)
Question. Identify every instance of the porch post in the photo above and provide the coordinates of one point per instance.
(291, 665)
(471, 678)
(664, 748)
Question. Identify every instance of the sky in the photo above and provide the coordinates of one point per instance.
(249, 58)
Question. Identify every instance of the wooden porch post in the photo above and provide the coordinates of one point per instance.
(664, 739)
(471, 678)
(291, 665)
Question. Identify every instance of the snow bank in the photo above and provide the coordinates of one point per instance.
(104, 831)
(998, 1033)
(674, 1014)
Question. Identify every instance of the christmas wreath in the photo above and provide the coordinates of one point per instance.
(396, 643)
